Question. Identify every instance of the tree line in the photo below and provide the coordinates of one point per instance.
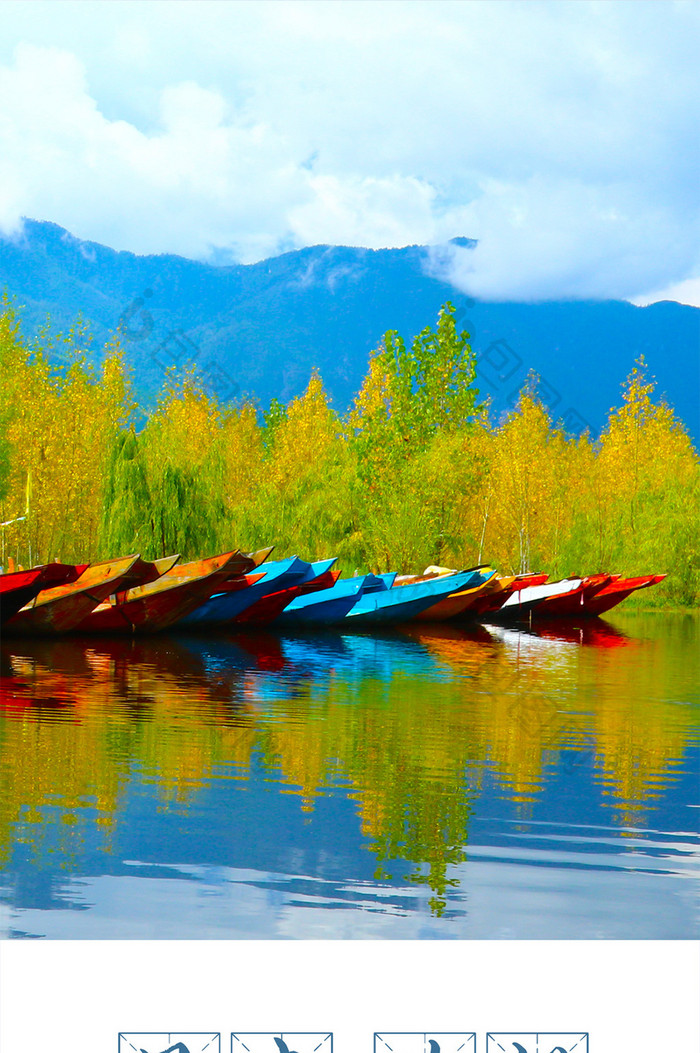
(414, 473)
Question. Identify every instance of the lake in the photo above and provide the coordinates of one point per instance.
(434, 782)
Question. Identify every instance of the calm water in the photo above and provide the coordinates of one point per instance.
(428, 783)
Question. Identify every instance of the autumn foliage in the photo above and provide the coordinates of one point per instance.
(416, 472)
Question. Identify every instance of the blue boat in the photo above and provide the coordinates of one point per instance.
(263, 613)
(312, 581)
(223, 606)
(328, 607)
(403, 602)
(378, 582)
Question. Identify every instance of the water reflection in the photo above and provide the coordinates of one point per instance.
(377, 777)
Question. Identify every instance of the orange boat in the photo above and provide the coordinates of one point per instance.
(461, 602)
(61, 609)
(158, 604)
(240, 563)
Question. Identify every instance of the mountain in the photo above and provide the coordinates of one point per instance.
(259, 329)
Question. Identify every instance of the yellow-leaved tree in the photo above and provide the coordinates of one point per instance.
(62, 415)
(303, 500)
(647, 491)
(526, 491)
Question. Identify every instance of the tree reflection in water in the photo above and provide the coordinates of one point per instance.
(412, 726)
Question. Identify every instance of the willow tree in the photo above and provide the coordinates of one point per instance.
(240, 450)
(126, 522)
(165, 492)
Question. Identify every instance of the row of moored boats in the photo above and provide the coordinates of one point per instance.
(239, 591)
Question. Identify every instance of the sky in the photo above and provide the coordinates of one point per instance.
(563, 136)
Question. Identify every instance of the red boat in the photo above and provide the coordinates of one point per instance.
(157, 605)
(21, 587)
(60, 609)
(269, 607)
(617, 590)
(561, 597)
(493, 601)
(571, 603)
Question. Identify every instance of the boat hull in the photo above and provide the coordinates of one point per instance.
(503, 589)
(62, 608)
(323, 609)
(523, 601)
(617, 591)
(226, 607)
(315, 578)
(161, 603)
(404, 602)
(19, 588)
(459, 603)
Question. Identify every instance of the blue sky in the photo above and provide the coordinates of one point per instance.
(564, 136)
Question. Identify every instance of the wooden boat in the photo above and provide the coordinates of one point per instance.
(323, 577)
(617, 590)
(574, 604)
(151, 572)
(240, 563)
(522, 600)
(485, 596)
(158, 604)
(325, 609)
(403, 602)
(62, 608)
(556, 599)
(435, 571)
(333, 604)
(268, 608)
(19, 588)
(378, 582)
(229, 601)
(216, 610)
(571, 604)
(497, 591)
(460, 603)
(503, 589)
(318, 609)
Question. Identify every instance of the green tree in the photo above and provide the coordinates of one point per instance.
(404, 430)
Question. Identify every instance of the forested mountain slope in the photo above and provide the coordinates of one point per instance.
(260, 329)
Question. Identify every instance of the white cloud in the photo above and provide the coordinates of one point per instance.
(547, 239)
(562, 135)
(195, 183)
(683, 292)
(369, 212)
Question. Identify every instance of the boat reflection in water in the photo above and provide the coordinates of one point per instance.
(437, 781)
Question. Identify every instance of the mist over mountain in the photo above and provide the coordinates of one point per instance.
(259, 329)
